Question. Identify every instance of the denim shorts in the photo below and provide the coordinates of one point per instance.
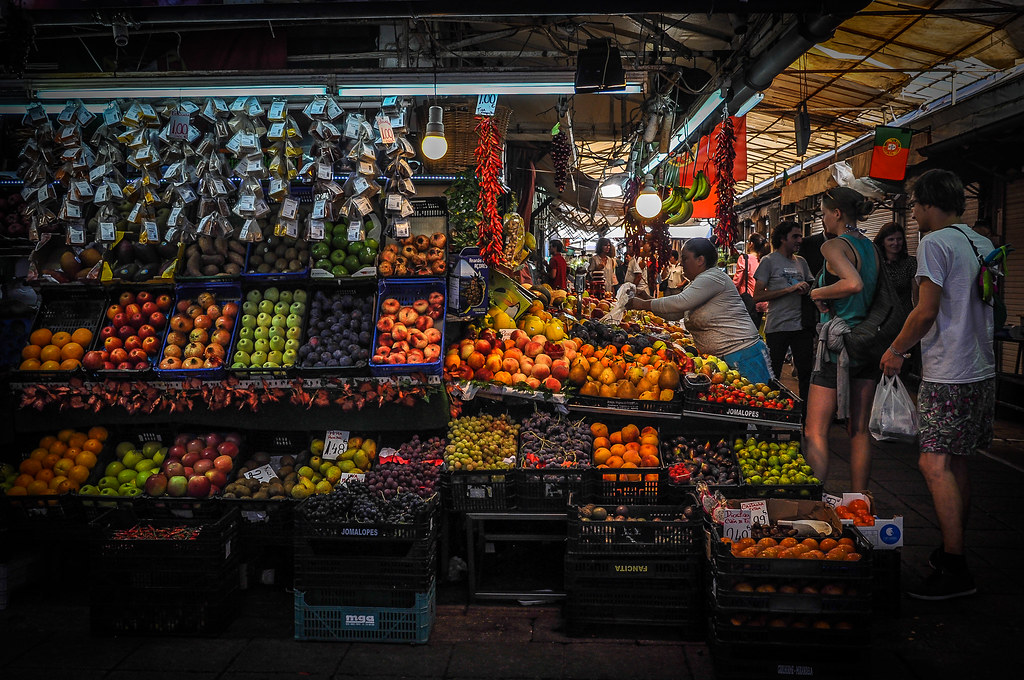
(827, 377)
(752, 362)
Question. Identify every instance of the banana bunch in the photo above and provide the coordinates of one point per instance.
(677, 207)
(700, 189)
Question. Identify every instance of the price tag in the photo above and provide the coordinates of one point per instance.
(276, 186)
(485, 104)
(115, 191)
(831, 500)
(355, 231)
(291, 228)
(316, 230)
(402, 229)
(394, 202)
(112, 114)
(44, 193)
(261, 474)
(107, 232)
(387, 134)
(317, 107)
(333, 110)
(72, 210)
(218, 187)
(758, 511)
(276, 132)
(175, 215)
(345, 476)
(152, 231)
(76, 233)
(359, 185)
(319, 209)
(101, 195)
(736, 524)
(352, 126)
(83, 188)
(324, 171)
(177, 128)
(335, 444)
(96, 174)
(289, 208)
(367, 168)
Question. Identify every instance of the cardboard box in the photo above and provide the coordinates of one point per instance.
(791, 509)
(887, 534)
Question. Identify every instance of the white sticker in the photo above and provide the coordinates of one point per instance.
(485, 104)
(72, 210)
(367, 168)
(175, 215)
(83, 188)
(112, 114)
(758, 511)
(387, 135)
(394, 202)
(218, 187)
(101, 193)
(736, 524)
(335, 444)
(316, 107)
(247, 203)
(261, 474)
(276, 186)
(333, 110)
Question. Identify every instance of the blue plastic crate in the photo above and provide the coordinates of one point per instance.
(407, 291)
(270, 277)
(224, 291)
(367, 624)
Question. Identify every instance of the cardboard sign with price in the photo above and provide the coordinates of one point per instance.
(736, 524)
(335, 444)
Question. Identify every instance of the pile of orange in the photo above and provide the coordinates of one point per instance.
(60, 351)
(60, 464)
(792, 548)
(628, 448)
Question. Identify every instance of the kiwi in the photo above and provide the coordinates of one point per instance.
(263, 268)
(287, 460)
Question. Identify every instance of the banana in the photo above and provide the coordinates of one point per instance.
(691, 190)
(705, 186)
(666, 204)
(685, 211)
(676, 201)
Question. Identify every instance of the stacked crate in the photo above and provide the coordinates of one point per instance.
(774, 616)
(366, 582)
(644, 570)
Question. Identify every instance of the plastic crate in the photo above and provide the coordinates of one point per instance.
(407, 291)
(430, 217)
(724, 563)
(836, 630)
(366, 624)
(548, 488)
(713, 437)
(640, 406)
(181, 275)
(114, 292)
(659, 532)
(751, 660)
(260, 372)
(270, 277)
(611, 602)
(224, 291)
(611, 486)
(633, 568)
(186, 612)
(369, 537)
(330, 566)
(67, 309)
(479, 490)
(693, 404)
(855, 597)
(338, 294)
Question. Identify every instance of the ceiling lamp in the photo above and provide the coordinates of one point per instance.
(599, 67)
(648, 202)
(612, 187)
(434, 144)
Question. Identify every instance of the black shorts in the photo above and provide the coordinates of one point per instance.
(827, 376)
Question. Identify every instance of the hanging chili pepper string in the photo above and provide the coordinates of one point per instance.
(726, 232)
(488, 172)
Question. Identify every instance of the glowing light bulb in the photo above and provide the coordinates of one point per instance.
(648, 202)
(434, 145)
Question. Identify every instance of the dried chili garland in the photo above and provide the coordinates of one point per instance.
(726, 232)
(488, 173)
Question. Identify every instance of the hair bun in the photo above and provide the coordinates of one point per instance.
(865, 207)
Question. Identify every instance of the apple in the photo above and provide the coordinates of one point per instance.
(149, 309)
(108, 332)
(407, 316)
(126, 298)
(119, 319)
(146, 331)
(164, 302)
(293, 321)
(132, 342)
(217, 478)
(176, 452)
(202, 466)
(156, 485)
(229, 447)
(177, 486)
(118, 356)
(93, 360)
(213, 440)
(139, 356)
(190, 458)
(132, 308)
(157, 320)
(390, 306)
(272, 294)
(254, 296)
(183, 305)
(198, 487)
(266, 307)
(224, 463)
(250, 308)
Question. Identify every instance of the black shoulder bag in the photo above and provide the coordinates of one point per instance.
(885, 318)
(748, 299)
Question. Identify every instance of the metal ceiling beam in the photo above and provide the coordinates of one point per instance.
(644, 22)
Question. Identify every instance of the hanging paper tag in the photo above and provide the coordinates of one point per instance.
(355, 231)
(485, 104)
(335, 444)
(289, 208)
(360, 185)
(387, 134)
(319, 209)
(72, 210)
(186, 193)
(394, 202)
(247, 203)
(276, 186)
(402, 229)
(332, 110)
(367, 168)
(352, 126)
(102, 194)
(44, 193)
(324, 171)
(175, 215)
(316, 230)
(277, 111)
(263, 473)
(76, 233)
(152, 231)
(107, 232)
(177, 128)
(388, 102)
(112, 114)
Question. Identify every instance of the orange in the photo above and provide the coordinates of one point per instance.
(24, 480)
(46, 441)
(55, 482)
(788, 542)
(767, 543)
(810, 543)
(853, 557)
(785, 553)
(63, 466)
(83, 336)
(846, 541)
(79, 474)
(45, 475)
(51, 460)
(98, 432)
(749, 552)
(30, 365)
(60, 338)
(58, 448)
(827, 544)
(72, 452)
(40, 337)
(72, 350)
(599, 430)
(36, 488)
(30, 467)
(601, 456)
(41, 452)
(31, 352)
(65, 486)
(86, 458)
(70, 364)
(77, 439)
(770, 551)
(50, 353)
(17, 491)
(50, 366)
(94, 445)
(66, 434)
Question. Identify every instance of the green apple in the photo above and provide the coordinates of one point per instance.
(285, 296)
(264, 320)
(262, 333)
(127, 476)
(144, 465)
(254, 296)
(128, 490)
(281, 308)
(123, 448)
(290, 356)
(294, 333)
(248, 321)
(242, 358)
(251, 308)
(275, 357)
(293, 321)
(271, 294)
(267, 307)
(246, 333)
(297, 308)
(276, 331)
(277, 344)
(299, 296)
(108, 482)
(261, 346)
(131, 459)
(292, 344)
(109, 491)
(150, 448)
(239, 364)
(259, 358)
(113, 468)
(160, 456)
(279, 320)
(140, 481)
(244, 345)
(89, 490)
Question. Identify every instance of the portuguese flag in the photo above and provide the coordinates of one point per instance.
(889, 157)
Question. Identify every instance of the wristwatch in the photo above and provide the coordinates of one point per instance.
(899, 354)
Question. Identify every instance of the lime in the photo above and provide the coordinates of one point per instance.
(351, 263)
(367, 256)
(339, 270)
(323, 264)
(372, 244)
(354, 247)
(338, 256)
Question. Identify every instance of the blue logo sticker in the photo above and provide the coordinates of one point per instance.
(890, 534)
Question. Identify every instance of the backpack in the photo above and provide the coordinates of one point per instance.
(990, 282)
(885, 318)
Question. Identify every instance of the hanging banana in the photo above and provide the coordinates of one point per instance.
(684, 213)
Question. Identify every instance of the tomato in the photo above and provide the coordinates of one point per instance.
(858, 506)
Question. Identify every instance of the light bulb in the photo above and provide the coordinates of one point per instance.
(613, 190)
(434, 145)
(648, 202)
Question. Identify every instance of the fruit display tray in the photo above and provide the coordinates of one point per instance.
(659, 532)
(270, 277)
(611, 486)
(407, 291)
(844, 630)
(733, 413)
(548, 488)
(67, 309)
(373, 538)
(724, 563)
(225, 291)
(431, 216)
(261, 285)
(356, 289)
(316, 568)
(114, 292)
(635, 569)
(597, 404)
(795, 491)
(479, 490)
(855, 600)
(407, 625)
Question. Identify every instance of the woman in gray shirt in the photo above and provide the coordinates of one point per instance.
(715, 315)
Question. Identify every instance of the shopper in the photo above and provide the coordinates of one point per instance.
(810, 250)
(672, 274)
(845, 289)
(956, 400)
(557, 266)
(636, 270)
(899, 265)
(602, 269)
(714, 313)
(783, 279)
(746, 265)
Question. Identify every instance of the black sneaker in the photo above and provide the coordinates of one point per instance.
(944, 585)
(935, 559)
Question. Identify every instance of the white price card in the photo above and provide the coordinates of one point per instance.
(289, 208)
(831, 500)
(277, 111)
(175, 217)
(177, 128)
(76, 233)
(335, 444)
(735, 524)
(324, 171)
(152, 231)
(316, 230)
(394, 202)
(107, 232)
(485, 104)
(319, 209)
(355, 231)
(352, 126)
(758, 511)
(261, 474)
(387, 134)
(402, 229)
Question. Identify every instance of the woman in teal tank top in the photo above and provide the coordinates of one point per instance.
(846, 287)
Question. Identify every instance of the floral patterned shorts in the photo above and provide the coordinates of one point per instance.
(956, 419)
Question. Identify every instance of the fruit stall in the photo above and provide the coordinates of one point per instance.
(251, 365)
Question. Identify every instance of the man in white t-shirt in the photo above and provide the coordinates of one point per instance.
(956, 400)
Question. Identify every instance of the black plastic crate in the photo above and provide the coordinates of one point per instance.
(224, 291)
(185, 612)
(479, 490)
(612, 486)
(837, 630)
(724, 563)
(675, 406)
(656, 530)
(355, 595)
(750, 660)
(634, 569)
(370, 538)
(290, 285)
(854, 597)
(430, 217)
(692, 403)
(406, 291)
(65, 309)
(316, 568)
(113, 296)
(354, 288)
(548, 488)
(651, 603)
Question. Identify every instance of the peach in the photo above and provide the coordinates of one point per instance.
(533, 348)
(476, 361)
(533, 383)
(526, 365)
(552, 384)
(520, 338)
(543, 359)
(493, 362)
(540, 371)
(483, 374)
(518, 378)
(466, 347)
(540, 337)
(513, 353)
(482, 346)
(560, 370)
(510, 364)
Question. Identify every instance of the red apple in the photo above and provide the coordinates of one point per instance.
(120, 319)
(156, 485)
(124, 332)
(132, 309)
(144, 296)
(132, 342)
(190, 458)
(112, 342)
(157, 319)
(183, 305)
(164, 302)
(202, 465)
(209, 453)
(224, 463)
(149, 308)
(195, 445)
(213, 440)
(421, 306)
(138, 355)
(229, 447)
(483, 346)
(146, 331)
(114, 310)
(108, 332)
(93, 360)
(118, 356)
(126, 298)
(176, 452)
(151, 345)
(217, 478)
(198, 487)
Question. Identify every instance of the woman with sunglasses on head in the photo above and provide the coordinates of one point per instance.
(845, 289)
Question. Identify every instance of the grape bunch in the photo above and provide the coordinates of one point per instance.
(416, 451)
(340, 331)
(554, 441)
(483, 442)
(393, 479)
(354, 501)
(560, 155)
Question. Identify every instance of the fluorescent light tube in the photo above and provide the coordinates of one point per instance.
(709, 106)
(21, 109)
(380, 90)
(749, 104)
(108, 93)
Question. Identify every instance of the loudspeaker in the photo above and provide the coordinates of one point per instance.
(599, 67)
(803, 129)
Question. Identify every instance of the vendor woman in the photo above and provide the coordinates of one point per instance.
(715, 315)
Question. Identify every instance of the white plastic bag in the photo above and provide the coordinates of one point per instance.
(893, 415)
(627, 292)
